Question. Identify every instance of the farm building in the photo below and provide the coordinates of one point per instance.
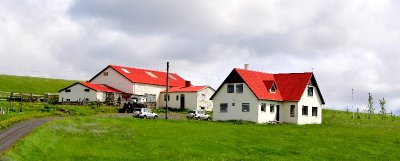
(264, 97)
(88, 92)
(143, 86)
(190, 97)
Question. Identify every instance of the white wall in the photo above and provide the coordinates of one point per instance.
(206, 102)
(193, 100)
(267, 116)
(78, 94)
(310, 101)
(142, 89)
(235, 112)
(115, 80)
(285, 112)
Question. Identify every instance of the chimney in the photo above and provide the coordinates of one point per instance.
(188, 83)
(246, 66)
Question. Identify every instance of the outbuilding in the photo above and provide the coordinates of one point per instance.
(88, 92)
(190, 97)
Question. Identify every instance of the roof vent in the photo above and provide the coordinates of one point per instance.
(151, 74)
(125, 70)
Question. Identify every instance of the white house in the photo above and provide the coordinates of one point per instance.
(263, 97)
(139, 83)
(190, 97)
(85, 91)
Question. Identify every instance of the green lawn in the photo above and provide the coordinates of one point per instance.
(105, 138)
(22, 84)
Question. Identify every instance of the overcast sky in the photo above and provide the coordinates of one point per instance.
(348, 44)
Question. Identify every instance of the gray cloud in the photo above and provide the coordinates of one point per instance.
(350, 44)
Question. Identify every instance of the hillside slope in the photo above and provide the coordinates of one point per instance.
(34, 85)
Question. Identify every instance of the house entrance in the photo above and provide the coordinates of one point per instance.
(277, 112)
(182, 101)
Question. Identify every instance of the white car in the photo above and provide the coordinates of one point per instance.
(144, 113)
(196, 114)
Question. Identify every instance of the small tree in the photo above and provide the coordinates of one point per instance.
(370, 107)
(382, 103)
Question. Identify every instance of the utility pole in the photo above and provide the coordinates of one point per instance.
(352, 102)
(166, 96)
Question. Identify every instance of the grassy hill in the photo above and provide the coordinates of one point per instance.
(340, 137)
(34, 85)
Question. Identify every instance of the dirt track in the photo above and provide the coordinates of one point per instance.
(12, 134)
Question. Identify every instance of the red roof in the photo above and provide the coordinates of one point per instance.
(145, 76)
(292, 85)
(258, 82)
(289, 86)
(99, 88)
(185, 89)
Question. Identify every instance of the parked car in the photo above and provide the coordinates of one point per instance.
(196, 114)
(144, 113)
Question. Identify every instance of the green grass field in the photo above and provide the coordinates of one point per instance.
(24, 111)
(22, 84)
(106, 138)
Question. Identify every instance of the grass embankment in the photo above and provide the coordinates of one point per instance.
(24, 111)
(34, 85)
(98, 138)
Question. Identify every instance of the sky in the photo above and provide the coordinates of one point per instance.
(348, 44)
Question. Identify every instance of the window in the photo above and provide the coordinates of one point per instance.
(239, 88)
(67, 90)
(231, 88)
(314, 111)
(233, 104)
(165, 97)
(273, 88)
(292, 108)
(87, 90)
(68, 100)
(203, 97)
(202, 108)
(105, 74)
(305, 110)
(223, 107)
(87, 99)
(310, 91)
(245, 107)
(263, 107)
(151, 74)
(177, 97)
(271, 108)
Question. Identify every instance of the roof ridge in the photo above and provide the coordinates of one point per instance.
(150, 70)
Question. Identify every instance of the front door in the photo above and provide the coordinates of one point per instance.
(277, 112)
(182, 101)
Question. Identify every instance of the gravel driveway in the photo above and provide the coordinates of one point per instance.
(11, 135)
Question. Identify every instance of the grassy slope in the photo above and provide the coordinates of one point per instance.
(99, 138)
(32, 84)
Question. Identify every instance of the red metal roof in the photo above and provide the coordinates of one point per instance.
(144, 76)
(99, 88)
(290, 86)
(185, 89)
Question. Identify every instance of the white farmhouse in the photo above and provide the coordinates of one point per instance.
(140, 83)
(264, 97)
(190, 97)
(85, 91)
